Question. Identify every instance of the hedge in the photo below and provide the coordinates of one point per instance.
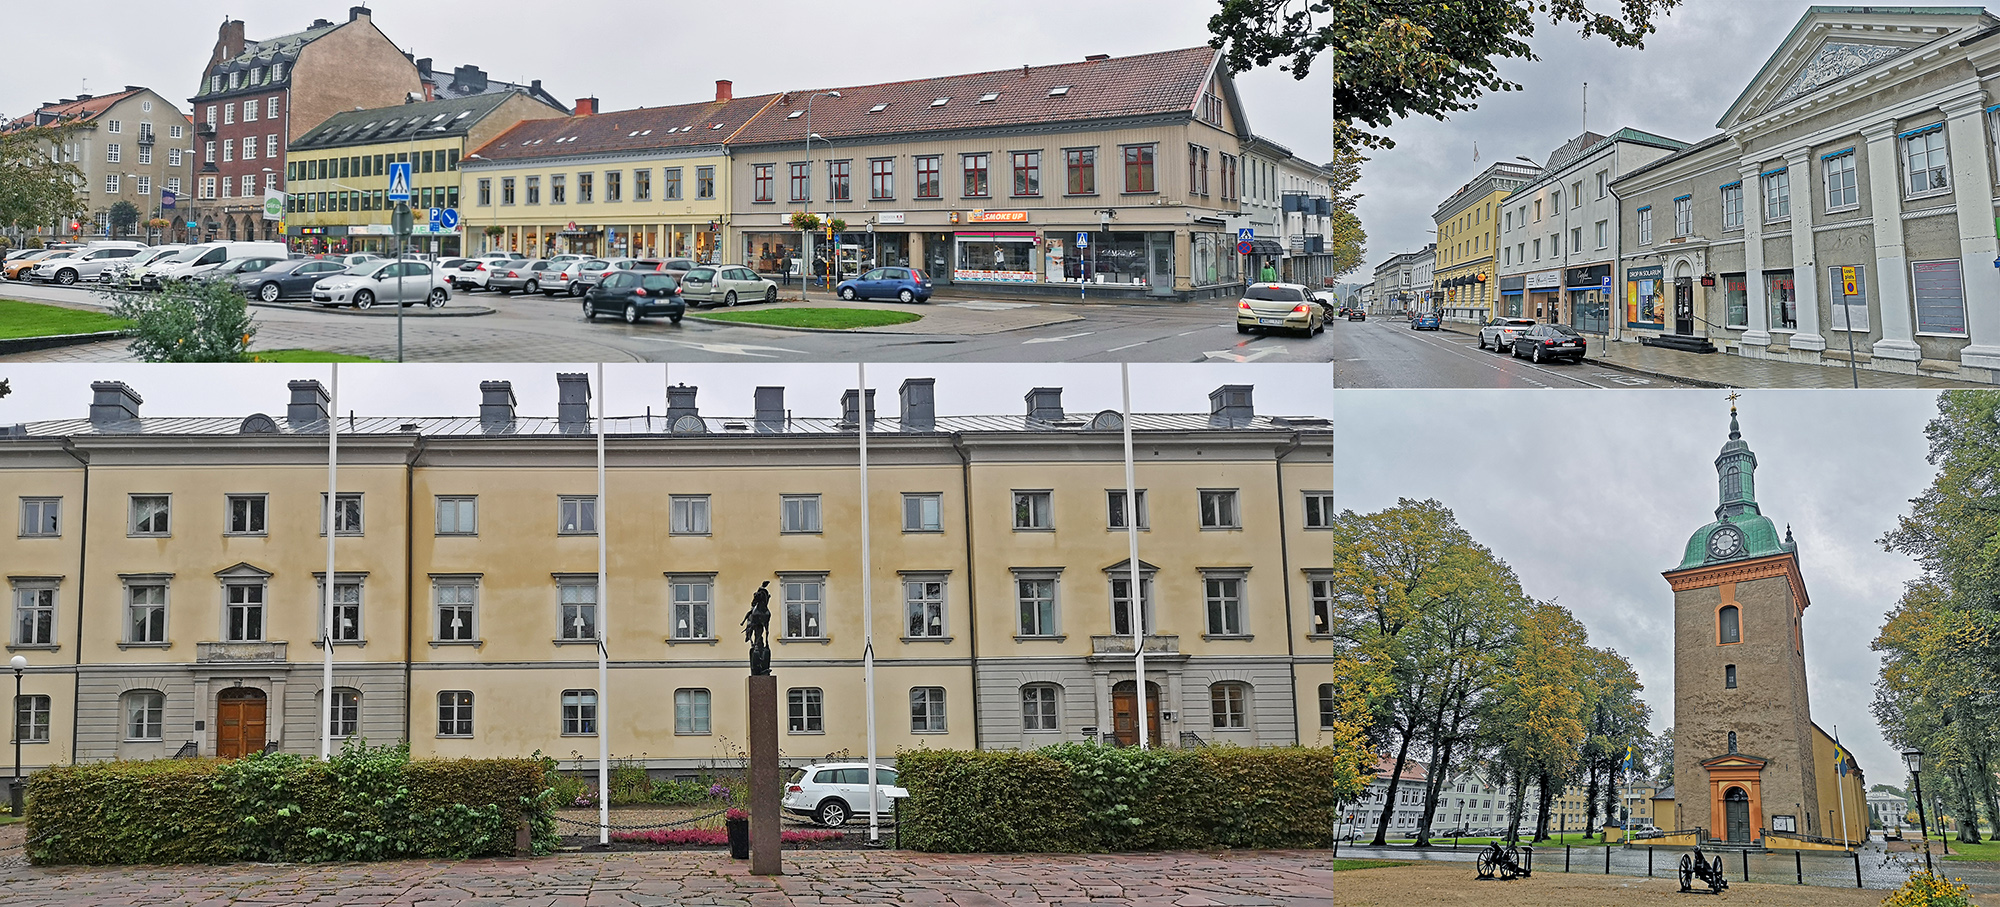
(366, 804)
(1081, 797)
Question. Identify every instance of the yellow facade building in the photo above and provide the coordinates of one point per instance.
(1467, 274)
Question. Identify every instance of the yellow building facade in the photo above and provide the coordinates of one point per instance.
(1467, 276)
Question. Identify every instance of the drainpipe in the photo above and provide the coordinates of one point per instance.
(82, 561)
(971, 578)
(1285, 565)
(417, 452)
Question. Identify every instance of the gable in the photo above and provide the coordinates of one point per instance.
(1832, 45)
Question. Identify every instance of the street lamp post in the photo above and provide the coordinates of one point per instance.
(1913, 759)
(805, 235)
(16, 795)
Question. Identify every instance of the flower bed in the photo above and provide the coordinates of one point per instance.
(716, 837)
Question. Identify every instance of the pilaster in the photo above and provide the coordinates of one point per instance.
(1892, 266)
(1759, 334)
(1804, 271)
(1979, 251)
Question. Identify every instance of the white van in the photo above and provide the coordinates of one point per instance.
(195, 258)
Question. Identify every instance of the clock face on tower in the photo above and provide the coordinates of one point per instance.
(1725, 542)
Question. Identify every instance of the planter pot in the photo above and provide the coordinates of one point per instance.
(739, 838)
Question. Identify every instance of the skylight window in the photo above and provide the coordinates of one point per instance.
(1059, 91)
(646, 132)
(989, 98)
(462, 115)
(878, 108)
(437, 118)
(795, 114)
(716, 126)
(940, 102)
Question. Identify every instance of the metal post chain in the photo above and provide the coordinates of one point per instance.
(1746, 865)
(1565, 857)
(616, 827)
(1857, 867)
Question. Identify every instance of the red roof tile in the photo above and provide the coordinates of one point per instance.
(74, 111)
(642, 129)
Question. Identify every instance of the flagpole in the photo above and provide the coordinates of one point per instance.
(1135, 601)
(1840, 761)
(603, 656)
(326, 605)
(867, 601)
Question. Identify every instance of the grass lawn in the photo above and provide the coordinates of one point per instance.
(29, 319)
(1573, 839)
(305, 356)
(1985, 851)
(7, 817)
(1340, 865)
(828, 319)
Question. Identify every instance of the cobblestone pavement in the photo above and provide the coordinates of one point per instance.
(657, 879)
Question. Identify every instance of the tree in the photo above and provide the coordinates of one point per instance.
(201, 321)
(1390, 59)
(1535, 725)
(124, 218)
(35, 190)
(1617, 719)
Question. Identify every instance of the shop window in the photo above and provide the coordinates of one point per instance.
(1781, 291)
(1005, 257)
(1736, 301)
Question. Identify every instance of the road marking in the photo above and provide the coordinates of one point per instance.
(1057, 339)
(1128, 346)
(728, 349)
(1458, 349)
(1233, 356)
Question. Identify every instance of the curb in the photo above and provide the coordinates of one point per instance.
(1633, 370)
(415, 311)
(786, 327)
(55, 341)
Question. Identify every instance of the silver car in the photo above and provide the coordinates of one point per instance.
(83, 266)
(126, 273)
(517, 276)
(594, 271)
(726, 285)
(408, 282)
(1498, 334)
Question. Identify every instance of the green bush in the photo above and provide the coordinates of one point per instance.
(1083, 797)
(366, 804)
(198, 321)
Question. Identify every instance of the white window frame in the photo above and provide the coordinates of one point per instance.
(256, 513)
(112, 182)
(1319, 604)
(1646, 226)
(145, 715)
(455, 713)
(1040, 513)
(1936, 153)
(576, 514)
(257, 605)
(37, 610)
(1732, 207)
(577, 599)
(463, 607)
(688, 514)
(694, 712)
(1221, 508)
(347, 597)
(691, 599)
(1684, 216)
(347, 520)
(457, 514)
(926, 606)
(1317, 504)
(137, 613)
(579, 713)
(1224, 612)
(32, 716)
(39, 511)
(344, 718)
(1841, 164)
(114, 153)
(927, 710)
(923, 512)
(1777, 191)
(1121, 604)
(805, 710)
(803, 597)
(1041, 708)
(1229, 712)
(1114, 509)
(799, 514)
(1046, 626)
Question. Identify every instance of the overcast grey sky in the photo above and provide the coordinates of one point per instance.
(1591, 495)
(632, 53)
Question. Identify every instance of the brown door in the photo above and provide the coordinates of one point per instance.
(1736, 806)
(1124, 709)
(239, 723)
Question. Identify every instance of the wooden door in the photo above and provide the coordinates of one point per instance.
(239, 723)
(1736, 804)
(1124, 710)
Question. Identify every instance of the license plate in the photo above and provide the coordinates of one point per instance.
(1270, 321)
(1571, 344)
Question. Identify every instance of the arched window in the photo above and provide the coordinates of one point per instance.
(144, 710)
(1729, 677)
(1039, 710)
(1732, 741)
(1732, 483)
(1730, 628)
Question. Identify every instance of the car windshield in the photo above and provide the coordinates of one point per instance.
(1564, 330)
(665, 282)
(184, 255)
(1273, 293)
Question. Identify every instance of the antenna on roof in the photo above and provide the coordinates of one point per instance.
(1586, 107)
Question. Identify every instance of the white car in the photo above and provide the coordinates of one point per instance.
(127, 272)
(473, 273)
(1499, 333)
(85, 265)
(410, 282)
(833, 793)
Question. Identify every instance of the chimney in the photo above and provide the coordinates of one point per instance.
(770, 409)
(680, 402)
(1230, 405)
(919, 396)
(308, 406)
(230, 38)
(112, 403)
(725, 90)
(496, 406)
(573, 403)
(1045, 404)
(321, 23)
(586, 107)
(849, 404)
(357, 14)
(424, 67)
(469, 79)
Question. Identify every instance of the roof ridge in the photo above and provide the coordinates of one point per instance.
(995, 72)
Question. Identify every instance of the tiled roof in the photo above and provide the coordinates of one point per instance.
(73, 111)
(456, 116)
(643, 426)
(1117, 87)
(643, 129)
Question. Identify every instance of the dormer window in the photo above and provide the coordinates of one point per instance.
(215, 83)
(277, 72)
(235, 79)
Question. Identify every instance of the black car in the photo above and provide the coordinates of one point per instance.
(1544, 342)
(1357, 315)
(636, 296)
(286, 279)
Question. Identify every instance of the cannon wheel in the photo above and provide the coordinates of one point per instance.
(1486, 865)
(1718, 883)
(1517, 869)
(1687, 872)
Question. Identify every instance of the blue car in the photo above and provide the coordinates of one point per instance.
(901, 284)
(1425, 322)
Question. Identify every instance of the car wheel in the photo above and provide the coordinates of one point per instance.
(770, 295)
(729, 299)
(832, 813)
(269, 292)
(906, 296)
(534, 286)
(574, 291)
(364, 299)
(1536, 356)
(674, 318)
(1482, 341)
(1242, 329)
(439, 297)
(589, 313)
(847, 293)
(632, 313)
(66, 277)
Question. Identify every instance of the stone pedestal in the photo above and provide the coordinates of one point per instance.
(766, 859)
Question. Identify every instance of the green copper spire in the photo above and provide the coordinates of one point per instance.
(1740, 531)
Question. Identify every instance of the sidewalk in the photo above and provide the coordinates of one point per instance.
(942, 315)
(1727, 370)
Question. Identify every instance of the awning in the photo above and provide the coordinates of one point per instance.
(1266, 247)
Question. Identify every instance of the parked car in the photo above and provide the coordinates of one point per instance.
(182, 266)
(353, 258)
(473, 274)
(286, 279)
(635, 296)
(675, 266)
(18, 269)
(125, 273)
(595, 270)
(86, 264)
(229, 270)
(727, 285)
(565, 279)
(834, 792)
(1267, 307)
(900, 284)
(1544, 342)
(1497, 334)
(1329, 301)
(1428, 321)
(408, 282)
(524, 276)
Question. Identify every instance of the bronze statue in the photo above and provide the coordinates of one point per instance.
(756, 630)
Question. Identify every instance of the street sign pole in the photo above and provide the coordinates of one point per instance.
(1082, 279)
(399, 192)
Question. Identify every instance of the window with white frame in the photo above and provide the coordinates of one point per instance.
(34, 613)
(1841, 189)
(249, 185)
(1114, 507)
(249, 147)
(31, 719)
(173, 157)
(923, 512)
(693, 600)
(143, 185)
(1033, 510)
(149, 515)
(346, 609)
(174, 183)
(805, 708)
(687, 514)
(1121, 603)
(113, 153)
(927, 710)
(244, 607)
(1329, 715)
(1039, 707)
(1684, 215)
(344, 718)
(111, 182)
(576, 514)
(805, 605)
(1732, 207)
(246, 514)
(1926, 161)
(1575, 239)
(346, 513)
(1603, 183)
(457, 601)
(271, 104)
(454, 713)
(41, 517)
(1777, 195)
(1222, 598)
(924, 607)
(145, 711)
(1219, 509)
(1229, 706)
(1319, 591)
(250, 110)
(457, 514)
(1035, 597)
(1603, 234)
(579, 713)
(577, 610)
(799, 513)
(145, 611)
(1645, 226)
(691, 711)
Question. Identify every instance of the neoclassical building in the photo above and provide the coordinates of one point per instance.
(1846, 210)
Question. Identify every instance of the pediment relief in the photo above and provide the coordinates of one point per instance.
(1831, 62)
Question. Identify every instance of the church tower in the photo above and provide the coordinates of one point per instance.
(1743, 731)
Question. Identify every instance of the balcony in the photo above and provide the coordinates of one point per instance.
(207, 129)
(243, 653)
(1121, 646)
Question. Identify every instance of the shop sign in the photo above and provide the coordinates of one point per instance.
(996, 276)
(1590, 277)
(1656, 272)
(892, 218)
(1546, 280)
(998, 217)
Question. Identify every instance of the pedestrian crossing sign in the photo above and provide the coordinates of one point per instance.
(399, 182)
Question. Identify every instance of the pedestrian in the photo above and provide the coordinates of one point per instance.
(1268, 275)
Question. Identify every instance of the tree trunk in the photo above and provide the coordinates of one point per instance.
(1590, 803)
(1440, 770)
(1389, 801)
(1967, 807)
(1544, 793)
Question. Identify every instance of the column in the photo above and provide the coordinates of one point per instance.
(1972, 184)
(1804, 269)
(1892, 267)
(1105, 721)
(1170, 731)
(1759, 334)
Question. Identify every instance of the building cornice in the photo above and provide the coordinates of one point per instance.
(1777, 565)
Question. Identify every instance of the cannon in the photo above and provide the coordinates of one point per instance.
(1503, 863)
(1698, 868)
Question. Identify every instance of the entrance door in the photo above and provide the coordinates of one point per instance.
(1124, 726)
(1159, 264)
(239, 723)
(937, 257)
(1684, 306)
(1736, 807)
